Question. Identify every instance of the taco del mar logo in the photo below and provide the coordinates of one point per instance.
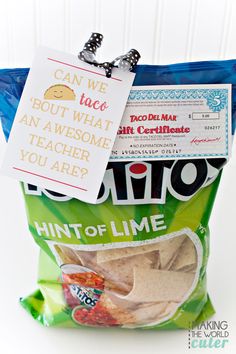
(209, 334)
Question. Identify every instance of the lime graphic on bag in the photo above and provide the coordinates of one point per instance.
(137, 258)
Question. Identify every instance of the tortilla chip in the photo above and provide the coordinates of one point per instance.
(119, 274)
(171, 307)
(122, 316)
(67, 255)
(147, 314)
(187, 255)
(118, 253)
(159, 285)
(143, 313)
(122, 303)
(189, 268)
(166, 248)
(87, 258)
(154, 257)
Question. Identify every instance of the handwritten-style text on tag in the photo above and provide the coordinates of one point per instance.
(66, 124)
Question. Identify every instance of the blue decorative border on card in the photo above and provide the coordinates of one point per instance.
(217, 99)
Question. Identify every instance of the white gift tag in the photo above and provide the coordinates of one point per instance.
(66, 124)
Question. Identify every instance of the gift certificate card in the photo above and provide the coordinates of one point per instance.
(66, 124)
(175, 122)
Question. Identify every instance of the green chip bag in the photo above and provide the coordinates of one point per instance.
(137, 258)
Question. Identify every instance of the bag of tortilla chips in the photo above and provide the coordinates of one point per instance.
(152, 277)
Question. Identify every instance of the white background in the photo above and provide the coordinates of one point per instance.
(164, 31)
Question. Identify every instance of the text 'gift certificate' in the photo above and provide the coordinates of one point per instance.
(66, 124)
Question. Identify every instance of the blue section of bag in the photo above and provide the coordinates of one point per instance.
(205, 72)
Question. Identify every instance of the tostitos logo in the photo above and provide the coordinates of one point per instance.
(148, 182)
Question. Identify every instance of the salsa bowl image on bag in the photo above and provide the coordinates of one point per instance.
(138, 257)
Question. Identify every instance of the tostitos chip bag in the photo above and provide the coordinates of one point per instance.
(137, 258)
